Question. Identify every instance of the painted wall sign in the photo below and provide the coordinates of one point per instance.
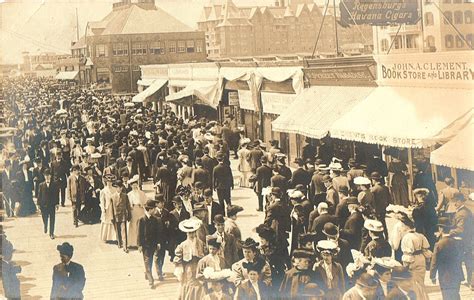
(339, 75)
(276, 103)
(245, 100)
(377, 12)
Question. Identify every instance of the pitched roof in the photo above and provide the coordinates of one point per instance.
(80, 44)
(136, 20)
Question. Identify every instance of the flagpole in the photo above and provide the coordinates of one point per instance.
(335, 27)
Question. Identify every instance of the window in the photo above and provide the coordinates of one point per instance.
(157, 47)
(172, 47)
(199, 46)
(429, 19)
(138, 49)
(181, 46)
(120, 49)
(430, 41)
(469, 39)
(468, 17)
(103, 75)
(120, 69)
(397, 42)
(448, 17)
(449, 41)
(136, 68)
(458, 17)
(412, 41)
(459, 42)
(384, 45)
(190, 46)
(100, 50)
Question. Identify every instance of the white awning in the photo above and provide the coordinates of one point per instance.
(457, 153)
(145, 81)
(317, 108)
(67, 75)
(411, 117)
(149, 91)
(205, 93)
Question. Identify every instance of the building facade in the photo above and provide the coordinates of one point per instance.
(281, 29)
(134, 34)
(434, 33)
(44, 64)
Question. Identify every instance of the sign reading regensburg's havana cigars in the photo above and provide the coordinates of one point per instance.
(377, 12)
(427, 69)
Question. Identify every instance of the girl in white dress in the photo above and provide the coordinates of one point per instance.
(137, 200)
(107, 231)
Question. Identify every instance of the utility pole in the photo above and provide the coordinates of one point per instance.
(335, 27)
(77, 26)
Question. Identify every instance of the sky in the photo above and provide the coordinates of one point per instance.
(50, 25)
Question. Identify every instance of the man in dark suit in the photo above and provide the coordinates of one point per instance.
(38, 176)
(59, 174)
(213, 209)
(280, 181)
(376, 164)
(200, 174)
(44, 154)
(309, 150)
(403, 280)
(463, 227)
(229, 249)
(48, 201)
(447, 262)
(76, 190)
(122, 160)
(150, 239)
(382, 198)
(8, 182)
(169, 227)
(222, 181)
(264, 175)
(317, 189)
(277, 217)
(208, 162)
(323, 217)
(352, 231)
(122, 213)
(68, 277)
(254, 157)
(179, 213)
(130, 168)
(300, 175)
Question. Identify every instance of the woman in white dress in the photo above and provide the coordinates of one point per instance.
(244, 166)
(137, 200)
(107, 230)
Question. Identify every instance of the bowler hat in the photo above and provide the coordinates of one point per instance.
(150, 204)
(219, 219)
(256, 266)
(305, 238)
(65, 249)
(207, 193)
(330, 229)
(343, 189)
(276, 191)
(327, 178)
(459, 197)
(177, 199)
(159, 198)
(298, 161)
(47, 172)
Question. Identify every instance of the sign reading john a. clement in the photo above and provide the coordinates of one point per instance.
(377, 12)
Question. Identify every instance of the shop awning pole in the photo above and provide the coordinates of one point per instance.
(410, 173)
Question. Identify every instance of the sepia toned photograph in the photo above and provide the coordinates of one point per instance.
(237, 149)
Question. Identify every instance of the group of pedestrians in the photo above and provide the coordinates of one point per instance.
(323, 233)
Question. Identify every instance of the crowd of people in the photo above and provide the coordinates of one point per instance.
(323, 234)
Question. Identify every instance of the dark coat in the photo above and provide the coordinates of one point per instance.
(216, 209)
(382, 198)
(447, 262)
(397, 294)
(222, 178)
(202, 175)
(253, 157)
(209, 163)
(318, 225)
(48, 197)
(337, 285)
(59, 172)
(68, 281)
(278, 218)
(295, 281)
(133, 171)
(245, 291)
(150, 232)
(352, 231)
(280, 181)
(181, 216)
(122, 208)
(300, 176)
(463, 226)
(264, 175)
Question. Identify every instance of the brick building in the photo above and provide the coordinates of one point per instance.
(281, 29)
(133, 34)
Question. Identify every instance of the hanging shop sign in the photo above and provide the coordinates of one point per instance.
(377, 12)
(442, 70)
(245, 100)
(276, 103)
(343, 75)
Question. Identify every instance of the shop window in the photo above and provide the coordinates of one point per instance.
(449, 41)
(138, 49)
(120, 49)
(430, 41)
(120, 69)
(181, 46)
(442, 173)
(157, 47)
(384, 45)
(448, 17)
(100, 50)
(190, 46)
(103, 75)
(429, 19)
(458, 17)
(199, 47)
(465, 180)
(172, 46)
(459, 42)
(468, 17)
(412, 41)
(136, 68)
(397, 42)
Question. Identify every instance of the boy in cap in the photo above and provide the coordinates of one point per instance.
(68, 277)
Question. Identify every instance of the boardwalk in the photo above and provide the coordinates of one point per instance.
(111, 274)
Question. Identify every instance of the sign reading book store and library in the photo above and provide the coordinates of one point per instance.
(427, 69)
(377, 12)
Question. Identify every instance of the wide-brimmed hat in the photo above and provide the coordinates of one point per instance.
(305, 238)
(303, 253)
(421, 191)
(96, 155)
(373, 225)
(256, 266)
(295, 194)
(65, 249)
(265, 232)
(110, 177)
(361, 180)
(214, 241)
(232, 210)
(189, 225)
(134, 179)
(219, 219)
(249, 243)
(327, 246)
(330, 229)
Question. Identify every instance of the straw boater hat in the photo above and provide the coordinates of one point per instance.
(327, 246)
(96, 155)
(134, 179)
(361, 180)
(421, 191)
(373, 225)
(189, 225)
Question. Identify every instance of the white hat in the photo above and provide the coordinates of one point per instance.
(295, 194)
(323, 205)
(326, 246)
(245, 141)
(386, 262)
(135, 178)
(335, 166)
(96, 155)
(373, 225)
(90, 140)
(361, 180)
(189, 225)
